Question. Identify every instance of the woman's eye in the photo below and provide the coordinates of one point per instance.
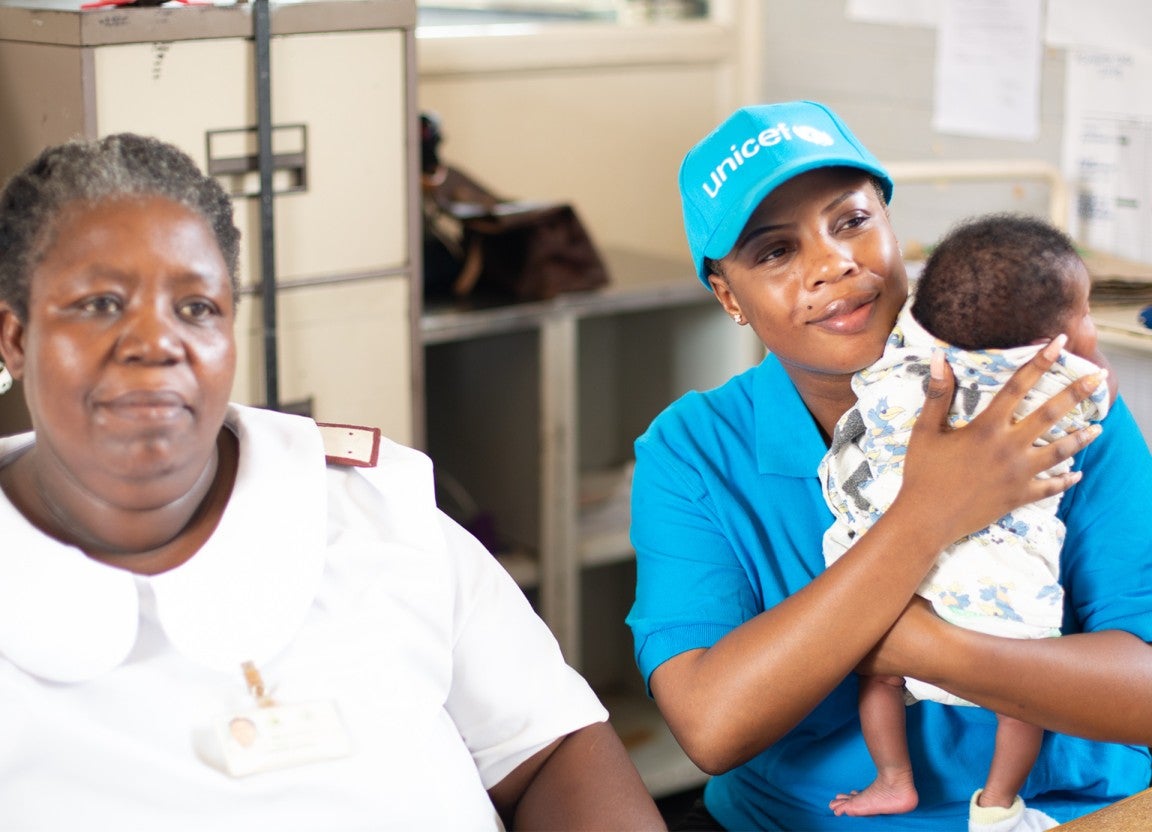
(855, 221)
(100, 305)
(197, 310)
(772, 252)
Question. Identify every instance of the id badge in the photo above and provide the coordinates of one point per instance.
(275, 735)
(281, 736)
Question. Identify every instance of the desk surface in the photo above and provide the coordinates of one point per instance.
(1133, 814)
(1117, 312)
(1121, 320)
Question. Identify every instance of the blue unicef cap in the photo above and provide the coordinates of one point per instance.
(727, 175)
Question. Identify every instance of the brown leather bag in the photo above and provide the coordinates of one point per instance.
(478, 243)
(530, 252)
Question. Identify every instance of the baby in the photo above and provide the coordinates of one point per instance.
(994, 292)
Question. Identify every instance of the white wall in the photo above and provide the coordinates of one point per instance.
(602, 117)
(596, 115)
(879, 78)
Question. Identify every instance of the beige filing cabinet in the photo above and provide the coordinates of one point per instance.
(345, 145)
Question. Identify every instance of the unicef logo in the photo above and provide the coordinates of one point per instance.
(813, 135)
(741, 152)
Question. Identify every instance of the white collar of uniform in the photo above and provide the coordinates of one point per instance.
(243, 596)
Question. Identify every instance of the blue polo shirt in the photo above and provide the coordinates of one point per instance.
(727, 521)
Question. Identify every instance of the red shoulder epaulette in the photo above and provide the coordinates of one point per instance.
(350, 444)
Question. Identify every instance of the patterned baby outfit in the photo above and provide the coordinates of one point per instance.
(1004, 579)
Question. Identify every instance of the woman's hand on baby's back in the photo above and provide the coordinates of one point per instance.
(963, 479)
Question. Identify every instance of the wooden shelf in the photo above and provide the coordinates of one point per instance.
(604, 515)
(606, 547)
(534, 407)
(523, 567)
(639, 283)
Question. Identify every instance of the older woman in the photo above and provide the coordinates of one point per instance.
(203, 623)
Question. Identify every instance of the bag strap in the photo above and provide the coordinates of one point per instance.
(471, 269)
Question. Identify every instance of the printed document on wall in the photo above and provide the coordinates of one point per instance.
(988, 69)
(1108, 150)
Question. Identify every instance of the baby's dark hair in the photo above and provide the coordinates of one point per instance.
(90, 172)
(997, 281)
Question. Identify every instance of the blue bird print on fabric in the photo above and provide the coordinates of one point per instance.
(995, 597)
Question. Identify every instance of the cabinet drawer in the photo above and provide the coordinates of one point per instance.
(343, 346)
(346, 90)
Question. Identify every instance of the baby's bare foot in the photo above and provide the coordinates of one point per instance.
(883, 797)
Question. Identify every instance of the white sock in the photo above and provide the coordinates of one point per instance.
(1016, 818)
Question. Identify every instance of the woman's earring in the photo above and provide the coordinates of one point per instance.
(736, 319)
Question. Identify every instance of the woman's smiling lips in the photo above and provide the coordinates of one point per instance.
(846, 315)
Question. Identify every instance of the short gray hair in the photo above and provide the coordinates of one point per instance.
(90, 171)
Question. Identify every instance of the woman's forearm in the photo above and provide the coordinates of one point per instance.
(729, 702)
(1092, 685)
